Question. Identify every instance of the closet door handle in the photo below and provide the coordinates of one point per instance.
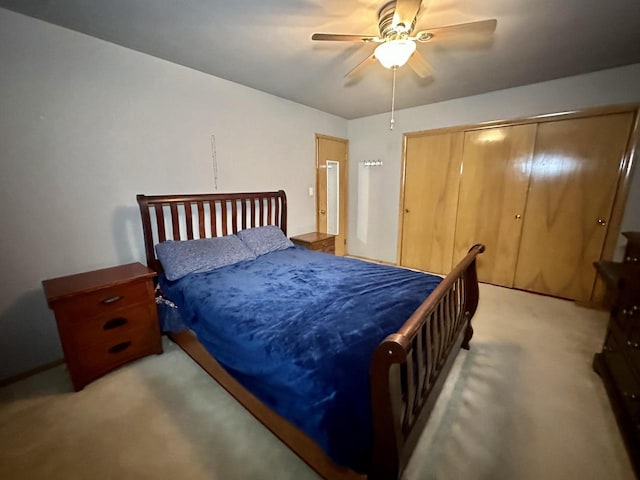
(518, 216)
(602, 222)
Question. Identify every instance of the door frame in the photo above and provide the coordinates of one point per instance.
(343, 199)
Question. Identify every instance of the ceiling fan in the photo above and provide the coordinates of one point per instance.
(397, 43)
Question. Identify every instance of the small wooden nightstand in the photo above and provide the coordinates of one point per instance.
(105, 318)
(322, 242)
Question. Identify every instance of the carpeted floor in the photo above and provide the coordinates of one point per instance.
(523, 403)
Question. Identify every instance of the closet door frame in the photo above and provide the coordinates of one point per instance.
(626, 167)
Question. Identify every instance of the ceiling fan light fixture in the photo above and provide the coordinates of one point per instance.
(395, 53)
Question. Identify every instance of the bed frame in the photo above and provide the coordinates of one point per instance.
(408, 368)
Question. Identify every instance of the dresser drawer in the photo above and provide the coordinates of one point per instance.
(624, 377)
(632, 250)
(104, 302)
(632, 254)
(628, 338)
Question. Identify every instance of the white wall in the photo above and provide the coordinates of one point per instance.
(85, 125)
(374, 193)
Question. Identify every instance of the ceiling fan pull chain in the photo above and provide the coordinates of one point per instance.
(393, 98)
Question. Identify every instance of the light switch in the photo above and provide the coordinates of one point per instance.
(311, 191)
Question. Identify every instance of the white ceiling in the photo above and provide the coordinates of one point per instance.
(266, 44)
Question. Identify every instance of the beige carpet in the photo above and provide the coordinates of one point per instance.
(522, 404)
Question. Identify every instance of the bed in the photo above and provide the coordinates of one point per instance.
(404, 368)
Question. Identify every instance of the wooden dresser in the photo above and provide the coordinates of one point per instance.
(619, 362)
(323, 242)
(105, 318)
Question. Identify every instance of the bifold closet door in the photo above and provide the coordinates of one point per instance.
(574, 178)
(431, 180)
(495, 176)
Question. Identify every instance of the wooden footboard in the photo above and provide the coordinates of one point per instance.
(410, 367)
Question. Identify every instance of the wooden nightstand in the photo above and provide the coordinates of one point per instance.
(105, 318)
(323, 242)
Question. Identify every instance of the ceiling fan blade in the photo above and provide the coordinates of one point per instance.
(344, 38)
(481, 27)
(367, 61)
(420, 65)
(405, 13)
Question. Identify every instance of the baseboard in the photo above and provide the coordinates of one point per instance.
(29, 373)
(372, 260)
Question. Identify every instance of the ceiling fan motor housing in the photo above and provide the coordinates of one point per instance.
(385, 23)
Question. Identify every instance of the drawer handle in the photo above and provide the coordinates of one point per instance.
(113, 299)
(114, 323)
(631, 396)
(119, 347)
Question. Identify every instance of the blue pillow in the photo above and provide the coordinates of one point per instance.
(191, 256)
(261, 240)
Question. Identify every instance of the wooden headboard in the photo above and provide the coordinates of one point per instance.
(187, 217)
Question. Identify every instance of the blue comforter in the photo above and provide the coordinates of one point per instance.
(298, 329)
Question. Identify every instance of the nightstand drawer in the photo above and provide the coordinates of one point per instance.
(104, 302)
(105, 328)
(97, 359)
(325, 245)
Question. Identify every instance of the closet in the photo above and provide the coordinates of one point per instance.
(540, 194)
